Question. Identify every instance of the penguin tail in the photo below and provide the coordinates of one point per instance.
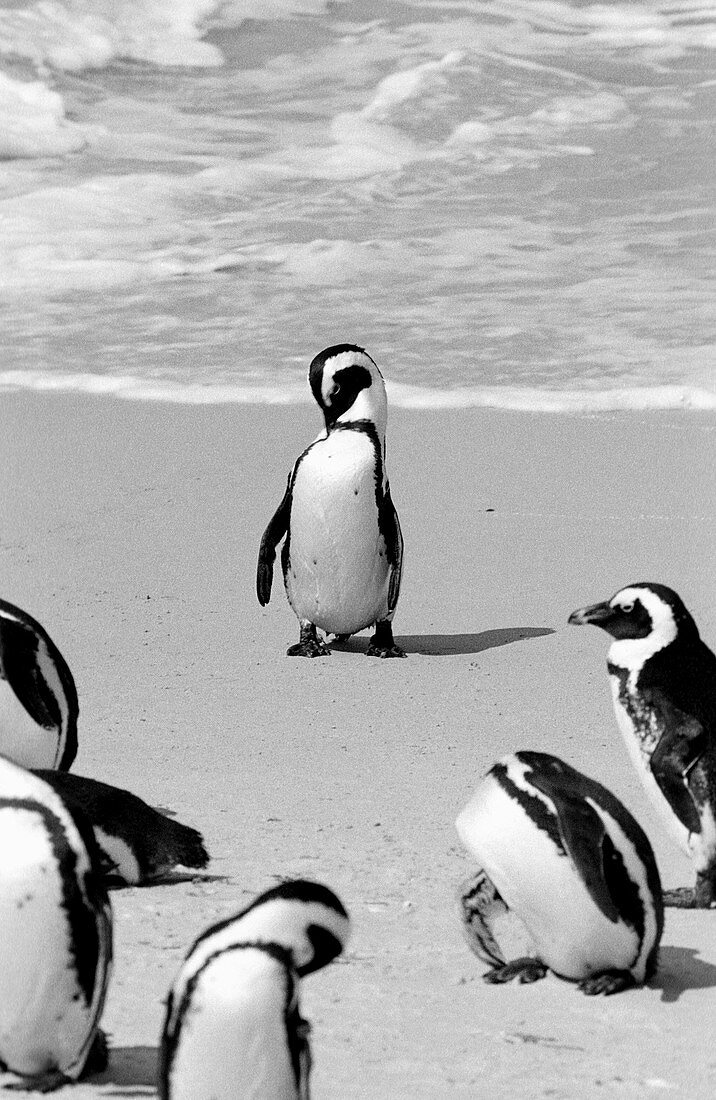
(182, 845)
(187, 846)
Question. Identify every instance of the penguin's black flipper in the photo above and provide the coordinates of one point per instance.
(277, 528)
(681, 746)
(299, 1044)
(584, 836)
(167, 1048)
(389, 526)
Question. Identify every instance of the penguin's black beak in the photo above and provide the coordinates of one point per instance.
(598, 614)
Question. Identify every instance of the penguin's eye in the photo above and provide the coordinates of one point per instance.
(335, 389)
(627, 608)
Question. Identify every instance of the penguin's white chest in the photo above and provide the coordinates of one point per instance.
(571, 934)
(338, 570)
(233, 1040)
(44, 1020)
(22, 740)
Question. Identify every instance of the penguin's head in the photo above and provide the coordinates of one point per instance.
(348, 386)
(303, 918)
(649, 614)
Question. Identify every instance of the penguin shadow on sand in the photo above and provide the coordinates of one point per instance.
(681, 969)
(450, 645)
(132, 1071)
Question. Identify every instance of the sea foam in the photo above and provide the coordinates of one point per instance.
(33, 122)
(509, 203)
(510, 398)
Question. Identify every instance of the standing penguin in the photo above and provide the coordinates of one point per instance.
(343, 554)
(564, 855)
(233, 1026)
(55, 936)
(38, 700)
(663, 681)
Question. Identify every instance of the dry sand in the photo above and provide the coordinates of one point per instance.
(131, 532)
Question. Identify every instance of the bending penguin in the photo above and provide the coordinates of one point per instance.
(233, 1026)
(140, 845)
(56, 942)
(343, 555)
(38, 700)
(663, 680)
(563, 855)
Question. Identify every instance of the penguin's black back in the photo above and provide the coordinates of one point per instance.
(582, 786)
(685, 671)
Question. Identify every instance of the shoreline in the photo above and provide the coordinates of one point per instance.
(131, 531)
(294, 391)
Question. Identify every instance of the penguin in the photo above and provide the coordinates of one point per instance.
(56, 942)
(232, 1025)
(570, 862)
(663, 681)
(343, 554)
(38, 699)
(140, 845)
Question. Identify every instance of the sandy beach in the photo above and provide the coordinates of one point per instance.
(130, 530)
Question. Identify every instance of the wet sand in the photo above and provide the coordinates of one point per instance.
(131, 530)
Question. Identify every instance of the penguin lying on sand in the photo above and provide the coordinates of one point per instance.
(343, 554)
(663, 681)
(233, 1026)
(38, 700)
(139, 843)
(55, 938)
(570, 862)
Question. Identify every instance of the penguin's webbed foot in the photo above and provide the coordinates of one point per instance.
(382, 644)
(682, 897)
(704, 891)
(606, 983)
(703, 896)
(308, 649)
(526, 970)
(309, 644)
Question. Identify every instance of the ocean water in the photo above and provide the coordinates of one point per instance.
(507, 202)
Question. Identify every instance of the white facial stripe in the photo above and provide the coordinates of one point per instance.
(340, 362)
(517, 771)
(632, 653)
(8, 615)
(121, 855)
